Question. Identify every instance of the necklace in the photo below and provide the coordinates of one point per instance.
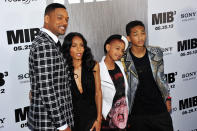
(76, 76)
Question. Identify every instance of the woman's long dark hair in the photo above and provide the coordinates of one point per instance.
(87, 59)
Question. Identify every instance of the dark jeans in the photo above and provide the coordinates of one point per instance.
(158, 122)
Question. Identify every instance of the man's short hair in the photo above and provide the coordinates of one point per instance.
(52, 7)
(132, 24)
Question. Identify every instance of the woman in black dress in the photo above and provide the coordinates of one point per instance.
(85, 83)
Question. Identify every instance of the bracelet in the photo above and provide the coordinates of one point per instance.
(168, 99)
(98, 120)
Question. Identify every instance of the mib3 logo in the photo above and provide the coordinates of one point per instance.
(189, 76)
(162, 18)
(188, 16)
(186, 47)
(22, 1)
(21, 115)
(165, 18)
(22, 35)
(84, 1)
(171, 79)
(187, 44)
(190, 103)
(2, 81)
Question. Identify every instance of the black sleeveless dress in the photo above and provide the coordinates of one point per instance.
(84, 106)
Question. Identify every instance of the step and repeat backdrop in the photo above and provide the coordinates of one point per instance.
(19, 24)
(172, 25)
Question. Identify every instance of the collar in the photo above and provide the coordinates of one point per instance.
(104, 72)
(152, 53)
(54, 37)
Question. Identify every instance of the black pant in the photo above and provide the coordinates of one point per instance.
(159, 122)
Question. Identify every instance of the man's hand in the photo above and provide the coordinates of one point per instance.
(30, 95)
(67, 129)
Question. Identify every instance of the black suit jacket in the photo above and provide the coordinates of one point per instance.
(51, 104)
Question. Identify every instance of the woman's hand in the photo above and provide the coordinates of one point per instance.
(96, 125)
(168, 105)
(30, 96)
(98, 99)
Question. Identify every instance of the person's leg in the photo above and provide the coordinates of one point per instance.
(162, 122)
(139, 123)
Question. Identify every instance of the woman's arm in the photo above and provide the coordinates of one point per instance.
(98, 97)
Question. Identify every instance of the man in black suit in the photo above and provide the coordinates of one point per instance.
(51, 101)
